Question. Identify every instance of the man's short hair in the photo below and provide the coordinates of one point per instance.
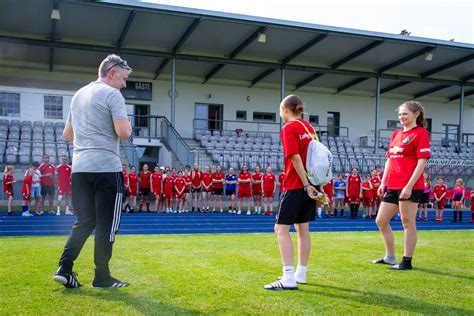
(110, 62)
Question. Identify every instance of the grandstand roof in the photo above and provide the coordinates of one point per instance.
(215, 46)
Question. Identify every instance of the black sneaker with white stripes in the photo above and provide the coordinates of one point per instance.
(67, 278)
(108, 283)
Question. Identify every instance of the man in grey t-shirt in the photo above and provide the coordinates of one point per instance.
(96, 122)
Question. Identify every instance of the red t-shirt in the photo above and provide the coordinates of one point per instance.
(218, 176)
(353, 185)
(368, 194)
(329, 188)
(376, 183)
(404, 151)
(187, 179)
(257, 186)
(179, 184)
(64, 176)
(196, 178)
(45, 169)
(268, 182)
(295, 140)
(125, 178)
(244, 185)
(27, 183)
(439, 190)
(145, 180)
(206, 178)
(8, 187)
(156, 180)
(168, 185)
(281, 177)
(132, 183)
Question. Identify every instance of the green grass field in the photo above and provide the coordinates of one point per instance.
(224, 274)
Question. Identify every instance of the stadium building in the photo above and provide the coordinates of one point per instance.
(206, 85)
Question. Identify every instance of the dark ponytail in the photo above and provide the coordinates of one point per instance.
(415, 106)
(294, 104)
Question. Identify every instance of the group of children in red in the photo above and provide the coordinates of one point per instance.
(199, 191)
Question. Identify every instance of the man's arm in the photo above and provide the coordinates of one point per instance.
(68, 133)
(123, 128)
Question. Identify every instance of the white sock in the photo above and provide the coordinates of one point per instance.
(59, 209)
(301, 270)
(67, 208)
(390, 259)
(288, 275)
(319, 211)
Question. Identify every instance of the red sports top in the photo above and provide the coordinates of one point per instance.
(257, 177)
(64, 176)
(404, 151)
(125, 177)
(295, 140)
(376, 183)
(369, 194)
(187, 179)
(218, 176)
(244, 176)
(196, 178)
(45, 169)
(7, 178)
(281, 177)
(268, 182)
(145, 180)
(168, 185)
(353, 185)
(329, 188)
(206, 178)
(179, 185)
(156, 179)
(27, 183)
(133, 182)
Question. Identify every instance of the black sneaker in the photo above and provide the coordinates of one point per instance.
(402, 266)
(10, 213)
(109, 283)
(68, 279)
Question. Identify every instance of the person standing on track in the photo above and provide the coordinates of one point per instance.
(125, 188)
(425, 197)
(439, 191)
(196, 176)
(206, 185)
(328, 205)
(96, 122)
(156, 187)
(257, 190)
(63, 172)
(297, 202)
(354, 192)
(144, 180)
(47, 183)
(26, 192)
(340, 194)
(376, 179)
(8, 181)
(269, 188)
(218, 187)
(230, 185)
(368, 196)
(132, 188)
(408, 152)
(243, 190)
(458, 199)
(187, 189)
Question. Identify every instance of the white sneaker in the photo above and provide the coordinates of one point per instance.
(222, 210)
(249, 213)
(58, 213)
(230, 211)
(234, 211)
(26, 214)
(239, 212)
(68, 212)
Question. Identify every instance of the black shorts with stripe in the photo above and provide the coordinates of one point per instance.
(295, 208)
(393, 196)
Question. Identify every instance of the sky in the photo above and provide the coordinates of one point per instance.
(445, 20)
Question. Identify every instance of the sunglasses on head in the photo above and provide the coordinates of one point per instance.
(121, 63)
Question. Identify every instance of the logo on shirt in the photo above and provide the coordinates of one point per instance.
(406, 140)
(424, 150)
(396, 149)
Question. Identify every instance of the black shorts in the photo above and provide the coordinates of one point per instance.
(47, 190)
(218, 191)
(392, 196)
(124, 196)
(195, 190)
(425, 198)
(144, 191)
(230, 192)
(295, 207)
(186, 191)
(206, 190)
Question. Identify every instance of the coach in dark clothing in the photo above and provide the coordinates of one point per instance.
(96, 122)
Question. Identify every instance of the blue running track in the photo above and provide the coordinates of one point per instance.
(205, 223)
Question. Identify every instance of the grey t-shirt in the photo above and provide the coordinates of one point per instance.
(96, 145)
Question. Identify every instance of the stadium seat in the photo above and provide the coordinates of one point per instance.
(14, 128)
(38, 123)
(3, 134)
(14, 135)
(37, 136)
(49, 137)
(4, 128)
(4, 122)
(25, 159)
(38, 152)
(11, 159)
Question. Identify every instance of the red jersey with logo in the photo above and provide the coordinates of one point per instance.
(64, 179)
(187, 179)
(257, 187)
(295, 140)
(220, 177)
(404, 151)
(156, 179)
(206, 178)
(47, 169)
(125, 179)
(145, 180)
(8, 188)
(369, 194)
(196, 178)
(281, 177)
(353, 185)
(376, 181)
(179, 185)
(133, 183)
(26, 188)
(168, 186)
(244, 188)
(268, 184)
(329, 189)
(439, 190)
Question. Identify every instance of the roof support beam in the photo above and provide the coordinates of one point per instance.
(261, 77)
(178, 45)
(125, 29)
(52, 37)
(448, 65)
(394, 86)
(307, 80)
(303, 48)
(468, 77)
(405, 59)
(356, 54)
(351, 84)
(458, 96)
(249, 40)
(431, 90)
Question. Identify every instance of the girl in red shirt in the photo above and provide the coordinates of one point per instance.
(8, 181)
(144, 188)
(328, 205)
(133, 188)
(408, 152)
(156, 186)
(458, 199)
(269, 187)
(472, 206)
(354, 192)
(376, 179)
(206, 189)
(243, 190)
(439, 191)
(26, 192)
(257, 190)
(196, 175)
(281, 178)
(218, 187)
(179, 185)
(168, 186)
(367, 195)
(425, 197)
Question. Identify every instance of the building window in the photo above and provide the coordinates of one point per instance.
(392, 124)
(241, 115)
(264, 116)
(9, 104)
(53, 107)
(314, 119)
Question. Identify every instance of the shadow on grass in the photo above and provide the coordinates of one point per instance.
(445, 274)
(142, 304)
(395, 302)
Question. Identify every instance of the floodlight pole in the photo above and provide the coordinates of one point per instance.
(282, 90)
(461, 118)
(377, 114)
(173, 91)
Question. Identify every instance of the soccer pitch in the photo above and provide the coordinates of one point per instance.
(224, 274)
